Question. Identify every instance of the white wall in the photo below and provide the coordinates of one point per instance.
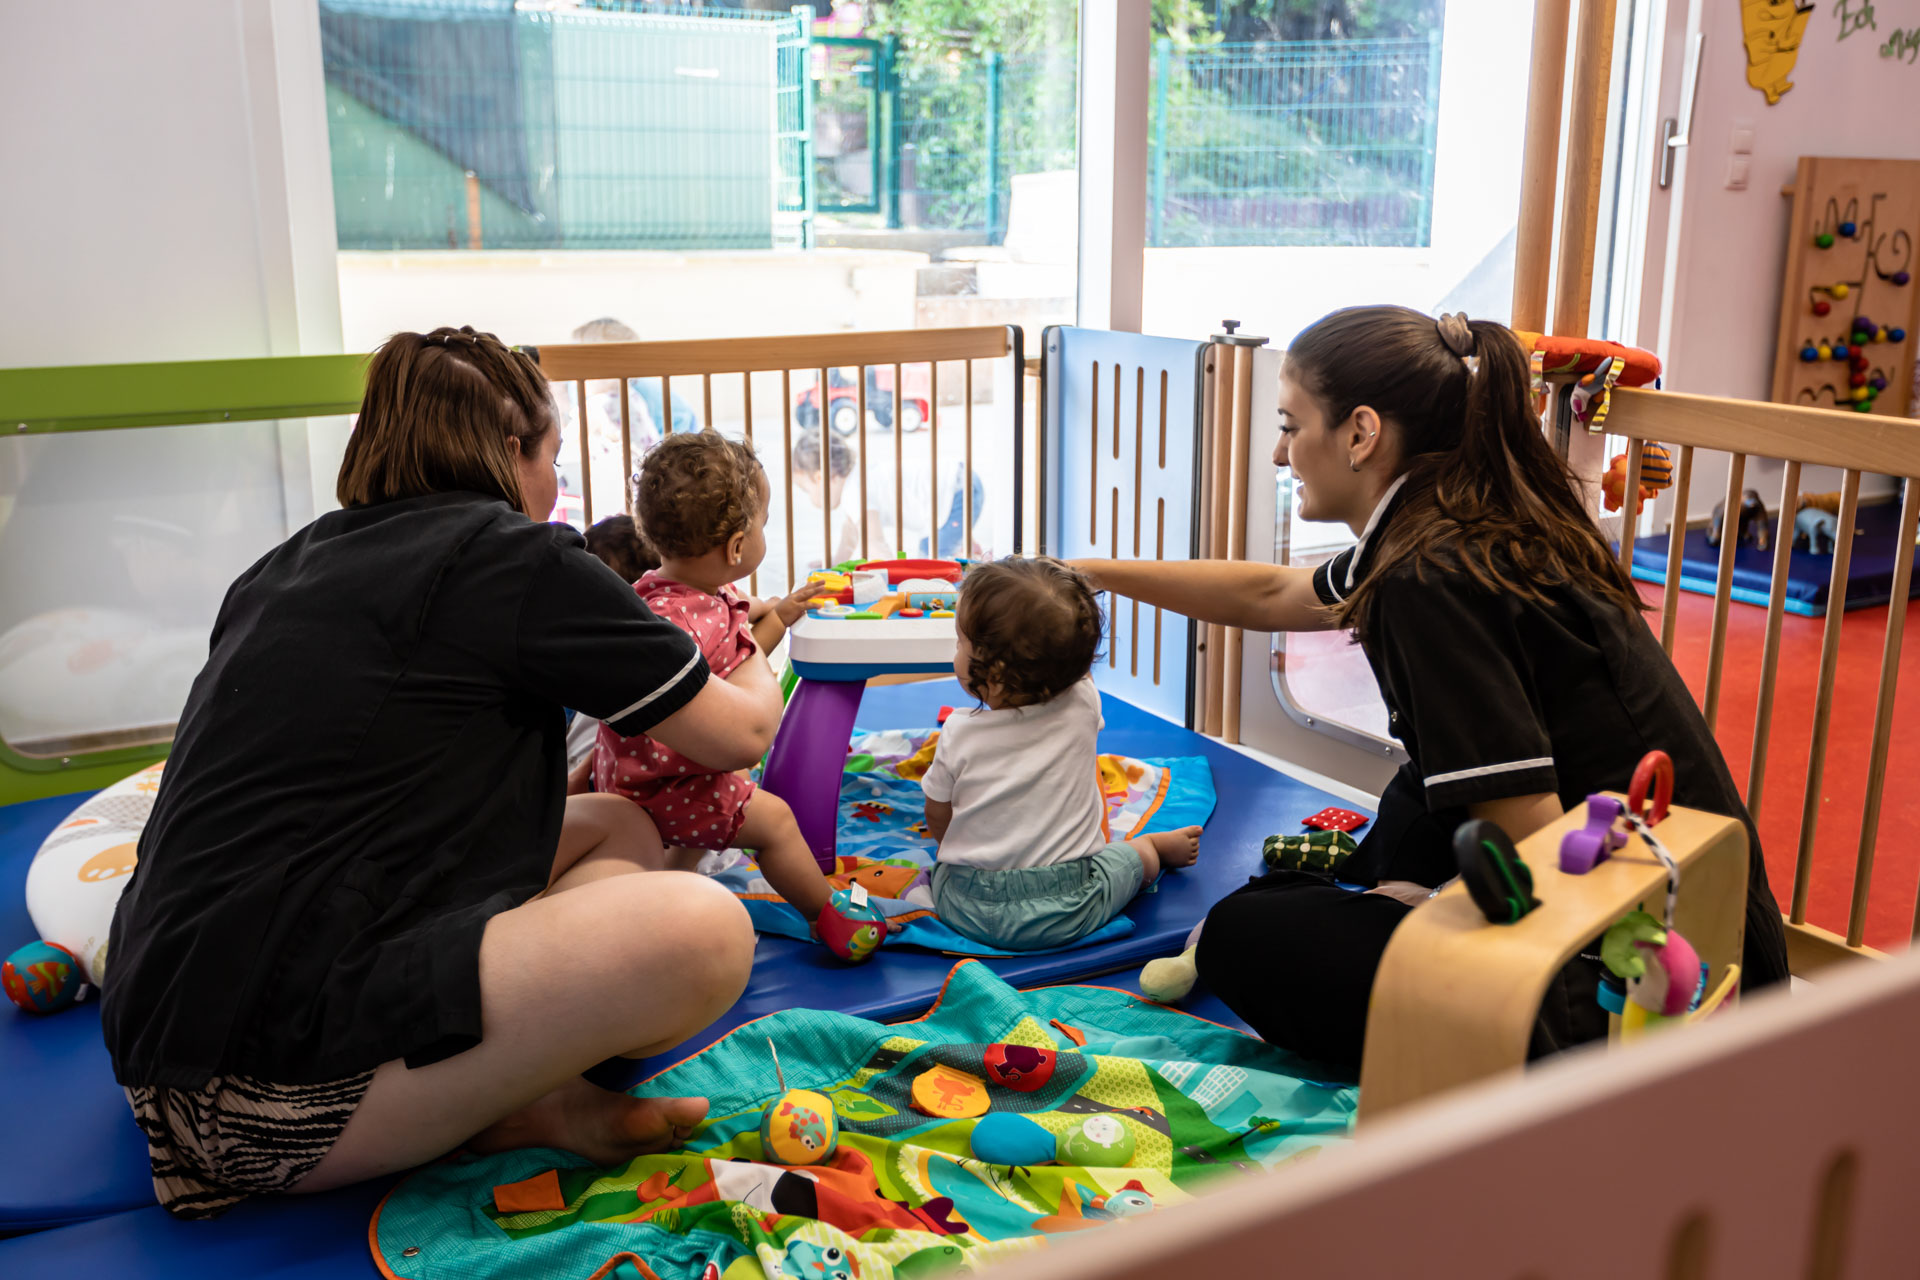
(1730, 246)
(168, 195)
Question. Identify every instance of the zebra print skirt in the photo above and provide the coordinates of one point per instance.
(235, 1137)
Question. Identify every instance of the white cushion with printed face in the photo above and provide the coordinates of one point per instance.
(80, 869)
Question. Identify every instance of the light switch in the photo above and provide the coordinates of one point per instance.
(1742, 144)
(1737, 168)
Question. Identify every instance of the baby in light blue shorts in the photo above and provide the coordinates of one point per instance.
(1013, 793)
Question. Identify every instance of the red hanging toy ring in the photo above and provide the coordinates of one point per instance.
(1655, 769)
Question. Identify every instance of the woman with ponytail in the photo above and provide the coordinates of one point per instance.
(1507, 642)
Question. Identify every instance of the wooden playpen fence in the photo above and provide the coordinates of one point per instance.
(817, 355)
(1798, 436)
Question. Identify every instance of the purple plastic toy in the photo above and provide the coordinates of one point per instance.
(1583, 850)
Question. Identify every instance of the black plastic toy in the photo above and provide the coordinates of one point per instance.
(1499, 881)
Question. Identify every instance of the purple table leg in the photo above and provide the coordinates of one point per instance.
(809, 754)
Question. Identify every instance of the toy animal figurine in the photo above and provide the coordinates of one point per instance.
(1814, 531)
(1753, 521)
(1772, 30)
(1613, 484)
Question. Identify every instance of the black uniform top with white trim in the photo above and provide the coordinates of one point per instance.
(371, 765)
(1495, 695)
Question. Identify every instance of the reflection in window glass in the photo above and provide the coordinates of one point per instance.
(116, 549)
(1324, 673)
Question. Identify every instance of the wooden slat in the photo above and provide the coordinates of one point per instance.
(866, 551)
(1139, 491)
(666, 404)
(565, 361)
(1219, 460)
(746, 411)
(1586, 134)
(626, 451)
(1676, 549)
(966, 492)
(1236, 503)
(1811, 949)
(586, 467)
(706, 399)
(1770, 647)
(1630, 504)
(1823, 693)
(899, 465)
(1540, 166)
(786, 467)
(1816, 437)
(1883, 712)
(1163, 419)
(1723, 584)
(826, 474)
(934, 514)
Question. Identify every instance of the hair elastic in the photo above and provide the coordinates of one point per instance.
(1456, 332)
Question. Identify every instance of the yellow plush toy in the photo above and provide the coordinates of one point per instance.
(1772, 29)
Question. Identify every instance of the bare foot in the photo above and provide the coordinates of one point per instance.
(596, 1124)
(1176, 848)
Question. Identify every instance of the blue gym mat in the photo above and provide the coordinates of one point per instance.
(80, 1156)
(1809, 577)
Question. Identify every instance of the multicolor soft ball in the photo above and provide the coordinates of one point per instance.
(799, 1128)
(851, 925)
(42, 977)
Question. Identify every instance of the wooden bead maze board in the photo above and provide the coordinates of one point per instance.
(1850, 274)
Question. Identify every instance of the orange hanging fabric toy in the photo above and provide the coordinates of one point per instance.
(1656, 473)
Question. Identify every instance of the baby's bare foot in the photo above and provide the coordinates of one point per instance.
(597, 1124)
(1176, 848)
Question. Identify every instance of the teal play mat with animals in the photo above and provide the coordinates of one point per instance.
(1146, 1107)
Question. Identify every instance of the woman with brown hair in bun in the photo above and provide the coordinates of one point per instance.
(356, 937)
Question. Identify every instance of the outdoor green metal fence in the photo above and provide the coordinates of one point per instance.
(646, 125)
(1305, 143)
(636, 126)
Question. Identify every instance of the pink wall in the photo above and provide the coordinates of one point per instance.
(1729, 247)
(1847, 100)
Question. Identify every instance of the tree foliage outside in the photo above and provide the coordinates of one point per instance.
(1261, 143)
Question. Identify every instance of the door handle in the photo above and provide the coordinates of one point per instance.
(1677, 131)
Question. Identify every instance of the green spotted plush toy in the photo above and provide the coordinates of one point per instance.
(1323, 851)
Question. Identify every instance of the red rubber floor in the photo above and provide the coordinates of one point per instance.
(1837, 817)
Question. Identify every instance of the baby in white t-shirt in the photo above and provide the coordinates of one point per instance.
(1013, 794)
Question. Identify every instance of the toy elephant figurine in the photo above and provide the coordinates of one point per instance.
(1814, 530)
(1753, 521)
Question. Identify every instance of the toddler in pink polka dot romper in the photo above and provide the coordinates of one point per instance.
(701, 502)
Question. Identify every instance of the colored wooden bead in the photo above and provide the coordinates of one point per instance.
(1859, 359)
(1839, 351)
(1901, 277)
(1859, 393)
(1809, 354)
(1821, 307)
(1861, 323)
(1824, 351)
(1896, 335)
(1878, 383)
(1863, 407)
(1847, 229)
(1859, 379)
(1839, 290)
(1823, 240)
(1880, 334)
